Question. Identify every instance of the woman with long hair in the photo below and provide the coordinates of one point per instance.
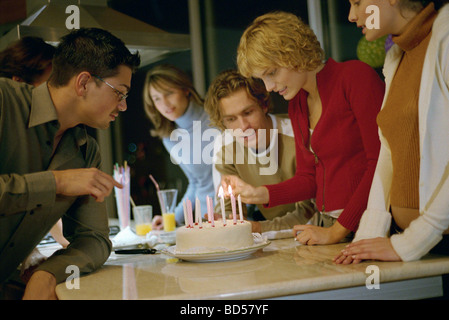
(176, 110)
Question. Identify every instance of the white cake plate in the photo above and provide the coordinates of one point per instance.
(216, 256)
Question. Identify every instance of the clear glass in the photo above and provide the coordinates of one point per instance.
(143, 217)
(167, 201)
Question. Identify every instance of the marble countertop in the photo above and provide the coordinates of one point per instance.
(283, 268)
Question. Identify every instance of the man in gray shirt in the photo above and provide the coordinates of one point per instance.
(49, 165)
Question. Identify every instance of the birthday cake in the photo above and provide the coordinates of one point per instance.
(219, 237)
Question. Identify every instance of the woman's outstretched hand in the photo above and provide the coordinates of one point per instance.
(249, 193)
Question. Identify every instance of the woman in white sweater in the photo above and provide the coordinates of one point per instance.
(408, 208)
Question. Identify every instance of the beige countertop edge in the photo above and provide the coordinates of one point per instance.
(339, 277)
(408, 270)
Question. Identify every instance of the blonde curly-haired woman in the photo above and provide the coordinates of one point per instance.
(333, 108)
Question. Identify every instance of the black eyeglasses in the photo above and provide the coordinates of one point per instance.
(121, 95)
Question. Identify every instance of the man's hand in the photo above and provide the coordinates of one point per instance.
(41, 286)
(158, 223)
(79, 182)
(255, 226)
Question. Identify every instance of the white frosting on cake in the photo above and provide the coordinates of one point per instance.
(218, 238)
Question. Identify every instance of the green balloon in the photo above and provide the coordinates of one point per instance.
(372, 52)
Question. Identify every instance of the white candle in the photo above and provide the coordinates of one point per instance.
(234, 214)
(198, 219)
(210, 211)
(186, 221)
(223, 214)
(239, 199)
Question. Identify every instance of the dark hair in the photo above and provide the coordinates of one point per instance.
(416, 5)
(93, 50)
(26, 58)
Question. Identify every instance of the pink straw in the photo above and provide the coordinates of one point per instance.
(161, 200)
(154, 181)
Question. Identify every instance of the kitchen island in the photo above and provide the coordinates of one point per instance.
(284, 269)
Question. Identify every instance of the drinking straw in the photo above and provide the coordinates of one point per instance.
(123, 195)
(155, 183)
(161, 200)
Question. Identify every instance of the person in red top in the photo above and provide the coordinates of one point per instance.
(333, 108)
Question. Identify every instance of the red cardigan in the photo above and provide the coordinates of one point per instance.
(345, 142)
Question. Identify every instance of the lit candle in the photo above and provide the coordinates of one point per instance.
(210, 211)
(223, 214)
(234, 214)
(198, 219)
(239, 199)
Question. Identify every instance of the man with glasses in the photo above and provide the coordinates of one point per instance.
(121, 96)
(49, 165)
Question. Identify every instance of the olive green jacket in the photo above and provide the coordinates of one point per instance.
(29, 206)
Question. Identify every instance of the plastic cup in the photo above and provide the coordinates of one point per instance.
(143, 216)
(167, 201)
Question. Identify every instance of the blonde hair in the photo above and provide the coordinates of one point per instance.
(225, 84)
(278, 39)
(160, 78)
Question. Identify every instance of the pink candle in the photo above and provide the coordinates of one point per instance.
(234, 213)
(196, 210)
(189, 213)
